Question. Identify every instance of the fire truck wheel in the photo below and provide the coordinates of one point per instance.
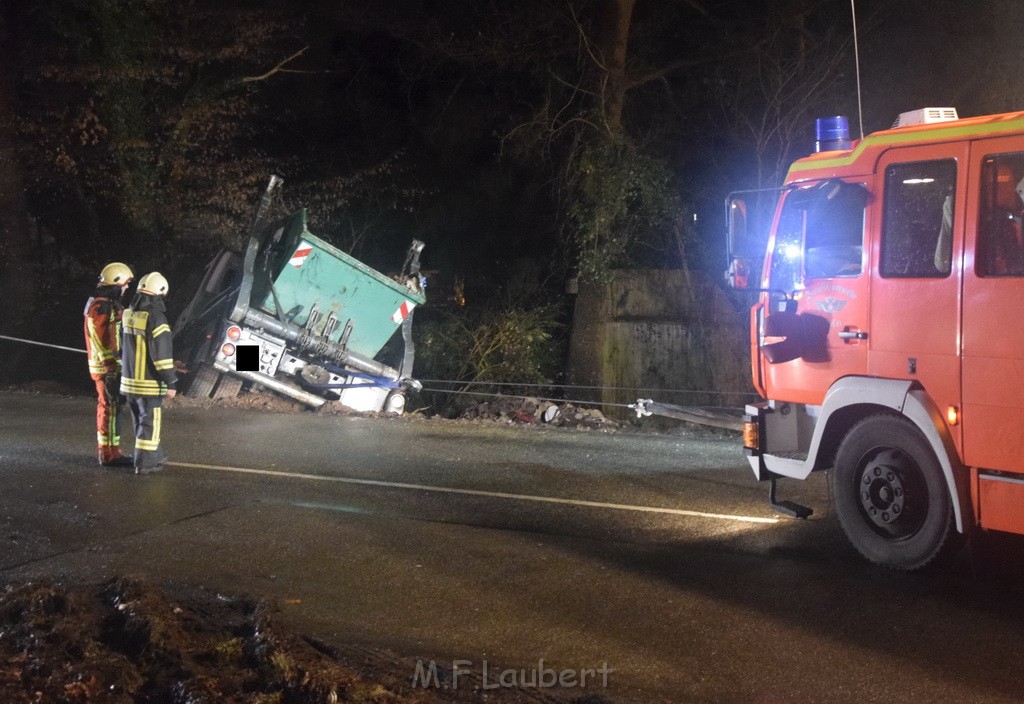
(890, 494)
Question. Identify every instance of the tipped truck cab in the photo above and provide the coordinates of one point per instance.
(294, 315)
(888, 337)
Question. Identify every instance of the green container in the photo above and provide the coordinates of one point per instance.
(308, 272)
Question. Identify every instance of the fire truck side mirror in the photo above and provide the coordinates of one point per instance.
(738, 273)
(736, 212)
(803, 336)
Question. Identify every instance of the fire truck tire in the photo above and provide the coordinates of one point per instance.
(202, 383)
(890, 495)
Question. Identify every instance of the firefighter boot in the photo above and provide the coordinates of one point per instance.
(147, 461)
(112, 457)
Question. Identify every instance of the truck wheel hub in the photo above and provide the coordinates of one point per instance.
(882, 492)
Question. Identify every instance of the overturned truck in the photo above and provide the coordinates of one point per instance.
(296, 316)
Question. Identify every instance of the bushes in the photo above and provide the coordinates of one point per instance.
(505, 343)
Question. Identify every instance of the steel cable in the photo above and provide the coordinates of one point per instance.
(598, 388)
(43, 344)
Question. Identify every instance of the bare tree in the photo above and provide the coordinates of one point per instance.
(768, 97)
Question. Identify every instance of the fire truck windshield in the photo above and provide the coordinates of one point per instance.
(820, 235)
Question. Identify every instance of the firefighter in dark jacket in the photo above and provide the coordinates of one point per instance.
(147, 368)
(102, 323)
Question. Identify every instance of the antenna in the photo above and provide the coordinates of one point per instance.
(856, 60)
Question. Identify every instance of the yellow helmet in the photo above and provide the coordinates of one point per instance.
(116, 274)
(153, 283)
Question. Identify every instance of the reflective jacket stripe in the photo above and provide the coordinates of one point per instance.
(140, 359)
(144, 387)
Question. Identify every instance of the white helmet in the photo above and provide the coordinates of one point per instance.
(116, 274)
(153, 283)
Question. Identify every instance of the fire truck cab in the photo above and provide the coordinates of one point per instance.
(888, 336)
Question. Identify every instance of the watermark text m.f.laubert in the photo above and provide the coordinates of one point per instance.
(427, 675)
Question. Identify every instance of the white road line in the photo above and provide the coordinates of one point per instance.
(477, 492)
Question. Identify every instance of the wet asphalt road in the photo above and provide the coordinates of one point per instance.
(685, 601)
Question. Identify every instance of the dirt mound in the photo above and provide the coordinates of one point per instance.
(129, 642)
(251, 400)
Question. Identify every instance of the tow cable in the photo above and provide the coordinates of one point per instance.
(43, 344)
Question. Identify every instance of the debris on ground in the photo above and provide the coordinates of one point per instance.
(128, 642)
(530, 411)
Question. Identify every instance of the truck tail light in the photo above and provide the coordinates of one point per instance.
(234, 333)
(227, 349)
(751, 437)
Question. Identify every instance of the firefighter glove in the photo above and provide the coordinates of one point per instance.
(112, 386)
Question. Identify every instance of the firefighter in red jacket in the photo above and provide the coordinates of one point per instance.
(147, 368)
(102, 322)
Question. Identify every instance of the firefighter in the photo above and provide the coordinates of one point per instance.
(102, 323)
(147, 368)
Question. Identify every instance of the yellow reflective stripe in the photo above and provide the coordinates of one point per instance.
(98, 350)
(161, 329)
(144, 387)
(140, 359)
(140, 383)
(112, 427)
(164, 364)
(150, 445)
(93, 335)
(158, 415)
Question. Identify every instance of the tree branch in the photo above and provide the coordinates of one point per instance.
(280, 68)
(659, 73)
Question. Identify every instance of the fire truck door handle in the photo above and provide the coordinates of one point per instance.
(852, 335)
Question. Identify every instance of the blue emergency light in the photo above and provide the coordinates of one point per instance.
(832, 133)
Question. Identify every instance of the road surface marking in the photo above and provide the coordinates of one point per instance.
(477, 492)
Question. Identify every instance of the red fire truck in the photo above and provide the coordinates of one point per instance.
(888, 336)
